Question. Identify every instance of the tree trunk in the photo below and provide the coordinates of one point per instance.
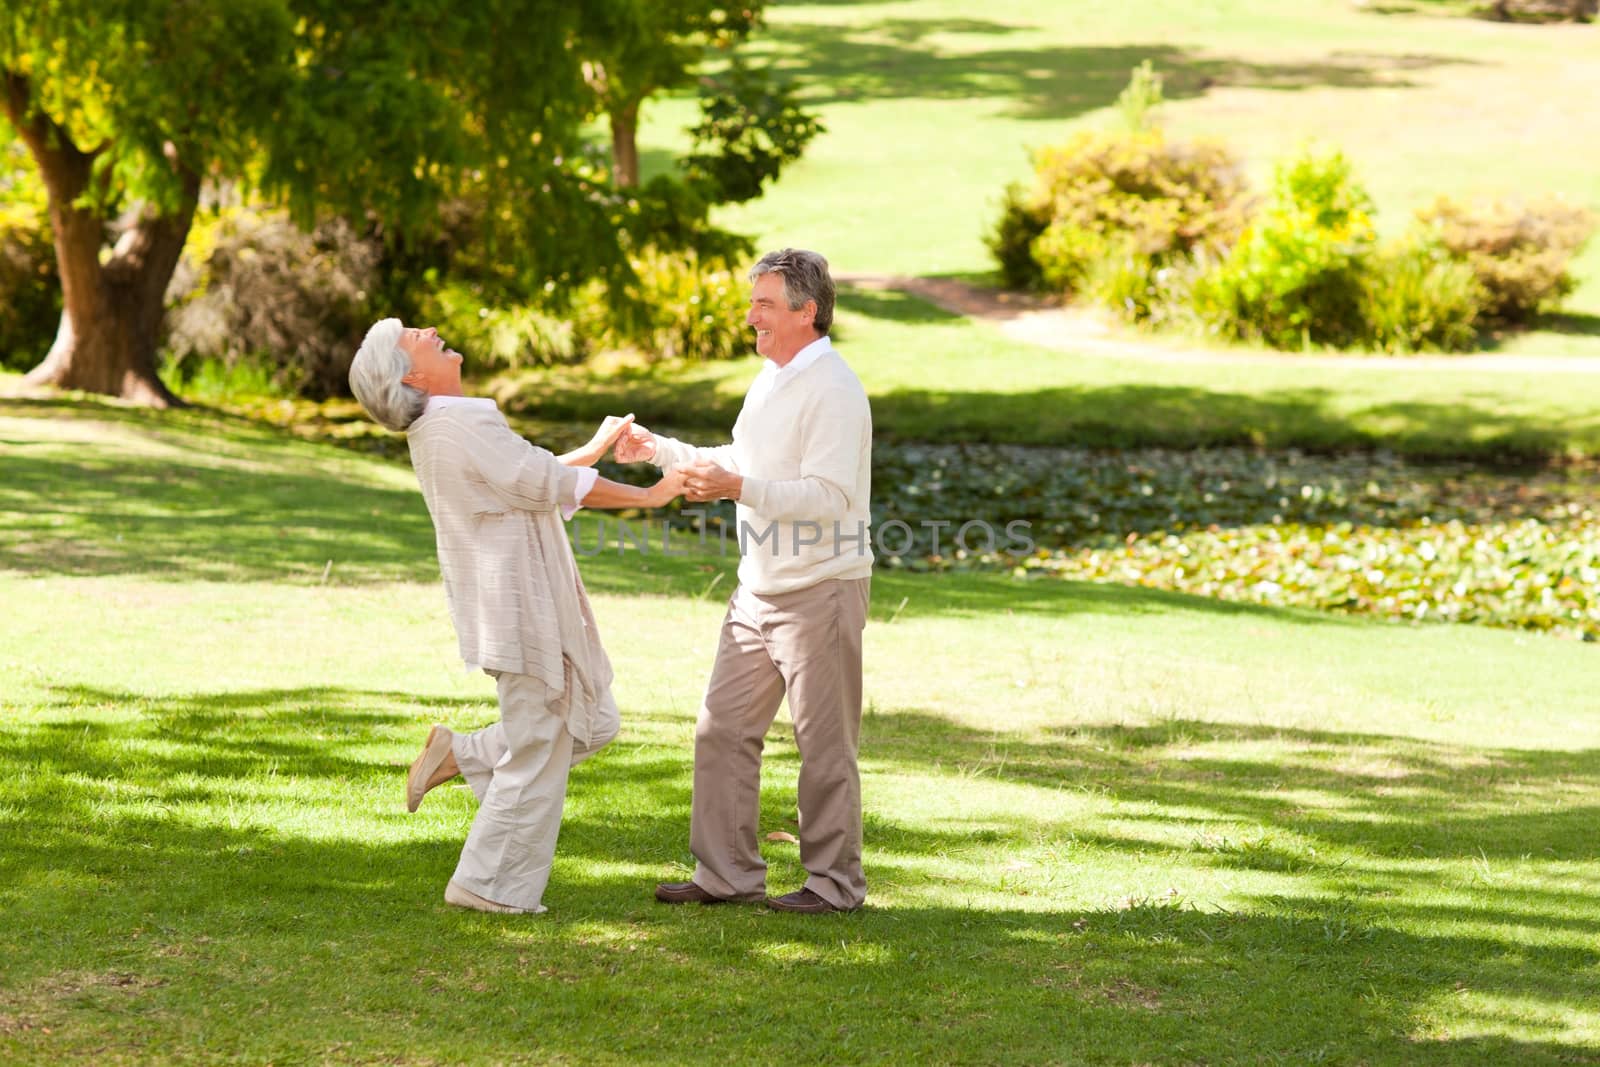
(625, 144)
(111, 312)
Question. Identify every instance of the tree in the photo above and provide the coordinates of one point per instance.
(359, 107)
(656, 46)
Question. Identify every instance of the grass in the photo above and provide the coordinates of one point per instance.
(936, 376)
(1422, 104)
(1103, 824)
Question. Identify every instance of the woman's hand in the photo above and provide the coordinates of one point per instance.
(635, 445)
(588, 455)
(664, 492)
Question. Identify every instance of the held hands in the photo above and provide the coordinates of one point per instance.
(666, 490)
(707, 481)
(634, 444)
(613, 427)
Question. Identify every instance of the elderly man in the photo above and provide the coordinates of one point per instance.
(518, 605)
(800, 467)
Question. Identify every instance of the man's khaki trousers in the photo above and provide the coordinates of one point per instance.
(806, 644)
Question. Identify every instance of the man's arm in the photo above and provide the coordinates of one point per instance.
(635, 444)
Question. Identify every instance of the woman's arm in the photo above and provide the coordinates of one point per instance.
(609, 494)
(590, 454)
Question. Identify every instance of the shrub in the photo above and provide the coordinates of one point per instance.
(253, 288)
(1296, 277)
(1021, 222)
(1161, 199)
(1137, 103)
(1067, 254)
(1131, 196)
(499, 335)
(692, 308)
(1521, 251)
(678, 306)
(1123, 279)
(1417, 298)
(1142, 291)
(30, 289)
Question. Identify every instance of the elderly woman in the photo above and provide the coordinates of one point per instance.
(518, 605)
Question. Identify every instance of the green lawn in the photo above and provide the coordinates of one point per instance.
(931, 107)
(1103, 824)
(936, 376)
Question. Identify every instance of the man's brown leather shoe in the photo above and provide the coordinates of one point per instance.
(803, 901)
(686, 893)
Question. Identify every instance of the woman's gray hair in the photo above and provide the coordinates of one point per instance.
(375, 376)
(805, 277)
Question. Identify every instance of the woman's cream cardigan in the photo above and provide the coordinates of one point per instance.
(510, 578)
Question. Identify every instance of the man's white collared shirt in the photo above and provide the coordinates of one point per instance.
(773, 377)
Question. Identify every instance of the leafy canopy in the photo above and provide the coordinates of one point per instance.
(347, 106)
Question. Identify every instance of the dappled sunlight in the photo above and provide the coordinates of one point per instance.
(1084, 804)
(786, 954)
(1157, 788)
(933, 58)
(1044, 898)
(1474, 1014)
(179, 507)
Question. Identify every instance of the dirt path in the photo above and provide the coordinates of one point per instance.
(1084, 331)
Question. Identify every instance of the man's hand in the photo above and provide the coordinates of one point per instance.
(610, 430)
(666, 490)
(707, 481)
(634, 444)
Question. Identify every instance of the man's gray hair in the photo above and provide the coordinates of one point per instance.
(805, 277)
(375, 376)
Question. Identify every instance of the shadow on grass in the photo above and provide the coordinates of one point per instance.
(233, 734)
(1573, 323)
(110, 511)
(1129, 416)
(956, 594)
(1447, 8)
(1392, 798)
(230, 500)
(1137, 416)
(100, 512)
(911, 595)
(143, 931)
(892, 305)
(915, 59)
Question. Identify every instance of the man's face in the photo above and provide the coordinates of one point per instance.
(435, 369)
(780, 332)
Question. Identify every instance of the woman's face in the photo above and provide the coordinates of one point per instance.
(435, 368)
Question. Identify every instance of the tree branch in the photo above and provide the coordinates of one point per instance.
(64, 166)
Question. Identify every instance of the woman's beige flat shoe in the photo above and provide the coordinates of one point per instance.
(466, 898)
(424, 773)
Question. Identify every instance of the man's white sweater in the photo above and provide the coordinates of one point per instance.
(803, 444)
